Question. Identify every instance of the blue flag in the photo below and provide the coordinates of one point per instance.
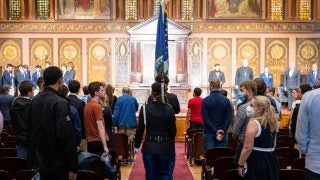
(161, 54)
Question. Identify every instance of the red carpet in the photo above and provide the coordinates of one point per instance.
(181, 169)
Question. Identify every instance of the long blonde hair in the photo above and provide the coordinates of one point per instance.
(268, 117)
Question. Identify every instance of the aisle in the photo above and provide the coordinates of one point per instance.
(181, 170)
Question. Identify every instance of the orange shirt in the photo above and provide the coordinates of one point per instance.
(92, 114)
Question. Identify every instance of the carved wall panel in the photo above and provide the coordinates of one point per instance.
(70, 51)
(40, 51)
(99, 60)
(122, 61)
(195, 55)
(249, 48)
(307, 53)
(11, 52)
(219, 52)
(277, 57)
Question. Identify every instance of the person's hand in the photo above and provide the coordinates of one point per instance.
(240, 171)
(105, 150)
(72, 176)
(137, 150)
(219, 135)
(115, 130)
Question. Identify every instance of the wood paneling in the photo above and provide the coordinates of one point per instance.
(181, 127)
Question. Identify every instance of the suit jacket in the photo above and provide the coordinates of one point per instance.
(7, 79)
(293, 81)
(311, 80)
(213, 75)
(5, 106)
(65, 76)
(70, 76)
(79, 105)
(243, 74)
(35, 78)
(20, 77)
(268, 79)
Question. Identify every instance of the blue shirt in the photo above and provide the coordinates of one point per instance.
(307, 131)
(124, 113)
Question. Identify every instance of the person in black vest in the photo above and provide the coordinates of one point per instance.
(158, 149)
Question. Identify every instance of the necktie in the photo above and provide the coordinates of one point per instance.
(38, 75)
(290, 72)
(315, 75)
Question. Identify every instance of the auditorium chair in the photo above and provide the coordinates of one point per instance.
(87, 175)
(25, 174)
(283, 131)
(288, 153)
(231, 175)
(8, 152)
(97, 166)
(221, 165)
(198, 151)
(231, 142)
(4, 175)
(188, 135)
(115, 162)
(13, 165)
(283, 163)
(298, 163)
(121, 146)
(291, 174)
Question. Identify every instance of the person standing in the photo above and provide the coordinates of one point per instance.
(258, 154)
(36, 75)
(5, 103)
(52, 145)
(313, 75)
(71, 73)
(194, 116)
(267, 77)
(244, 73)
(64, 73)
(8, 79)
(158, 120)
(291, 80)
(20, 117)
(94, 122)
(21, 75)
(217, 74)
(308, 134)
(216, 114)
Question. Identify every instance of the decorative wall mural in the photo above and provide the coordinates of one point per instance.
(70, 51)
(10, 52)
(307, 53)
(122, 61)
(277, 57)
(40, 51)
(195, 55)
(249, 48)
(99, 64)
(219, 52)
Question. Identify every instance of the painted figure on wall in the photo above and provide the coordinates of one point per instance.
(234, 8)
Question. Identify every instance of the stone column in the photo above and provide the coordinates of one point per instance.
(51, 11)
(120, 10)
(140, 9)
(268, 12)
(149, 9)
(178, 10)
(169, 8)
(317, 9)
(197, 9)
(289, 9)
(1, 10)
(30, 11)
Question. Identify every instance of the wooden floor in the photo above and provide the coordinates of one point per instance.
(194, 169)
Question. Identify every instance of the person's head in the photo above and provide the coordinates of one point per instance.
(63, 90)
(215, 84)
(10, 67)
(296, 93)
(52, 77)
(74, 86)
(156, 91)
(292, 64)
(266, 69)
(217, 67)
(197, 92)
(305, 88)
(125, 91)
(20, 67)
(26, 89)
(70, 66)
(25, 67)
(63, 67)
(40, 83)
(263, 111)
(158, 79)
(38, 68)
(249, 88)
(109, 92)
(97, 90)
(5, 89)
(261, 86)
(47, 64)
(85, 90)
(245, 63)
(314, 67)
(224, 92)
(270, 91)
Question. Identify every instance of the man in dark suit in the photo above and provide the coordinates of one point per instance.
(291, 80)
(8, 79)
(217, 74)
(267, 77)
(71, 72)
(36, 75)
(74, 88)
(64, 73)
(313, 75)
(5, 104)
(22, 75)
(243, 73)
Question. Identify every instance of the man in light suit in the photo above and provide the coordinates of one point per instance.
(267, 77)
(71, 72)
(291, 80)
(217, 74)
(313, 76)
(36, 75)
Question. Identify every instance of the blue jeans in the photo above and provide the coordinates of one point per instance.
(309, 175)
(210, 141)
(22, 151)
(158, 167)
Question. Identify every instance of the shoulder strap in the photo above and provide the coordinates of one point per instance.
(259, 128)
